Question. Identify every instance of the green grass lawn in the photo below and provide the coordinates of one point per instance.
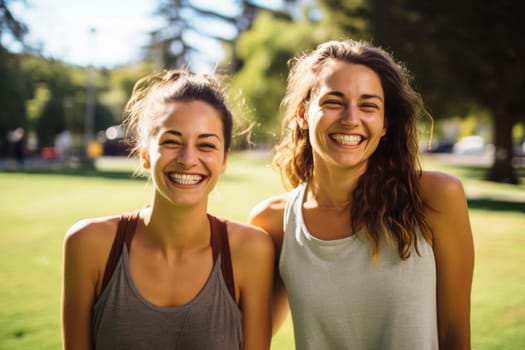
(38, 206)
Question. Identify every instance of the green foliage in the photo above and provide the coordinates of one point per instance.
(52, 88)
(518, 132)
(47, 96)
(14, 90)
(458, 53)
(120, 83)
(36, 105)
(465, 57)
(265, 51)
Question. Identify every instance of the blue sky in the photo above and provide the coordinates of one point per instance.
(63, 28)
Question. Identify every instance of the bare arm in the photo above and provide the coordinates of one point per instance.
(268, 215)
(252, 257)
(82, 254)
(454, 254)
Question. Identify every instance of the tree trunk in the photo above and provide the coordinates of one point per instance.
(502, 170)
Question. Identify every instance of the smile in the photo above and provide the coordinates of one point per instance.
(185, 179)
(347, 140)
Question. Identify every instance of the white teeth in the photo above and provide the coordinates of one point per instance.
(347, 140)
(185, 179)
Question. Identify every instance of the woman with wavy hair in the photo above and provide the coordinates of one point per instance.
(371, 251)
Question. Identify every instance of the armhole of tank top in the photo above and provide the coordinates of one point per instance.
(296, 194)
(220, 245)
(125, 230)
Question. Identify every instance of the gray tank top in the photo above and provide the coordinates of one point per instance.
(340, 299)
(124, 319)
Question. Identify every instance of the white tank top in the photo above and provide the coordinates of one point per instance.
(340, 299)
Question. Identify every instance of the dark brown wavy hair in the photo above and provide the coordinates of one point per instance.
(388, 193)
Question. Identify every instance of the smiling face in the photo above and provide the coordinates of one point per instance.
(345, 116)
(186, 155)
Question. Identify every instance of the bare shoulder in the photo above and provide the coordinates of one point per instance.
(269, 213)
(86, 249)
(92, 230)
(89, 241)
(439, 189)
(248, 239)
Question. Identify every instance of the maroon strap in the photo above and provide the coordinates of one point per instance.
(220, 245)
(218, 240)
(125, 231)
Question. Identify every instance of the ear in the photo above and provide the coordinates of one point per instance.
(302, 117)
(385, 126)
(225, 161)
(144, 159)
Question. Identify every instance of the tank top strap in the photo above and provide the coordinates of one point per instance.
(125, 231)
(220, 246)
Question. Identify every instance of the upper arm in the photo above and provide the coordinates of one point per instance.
(81, 274)
(252, 258)
(453, 247)
(268, 215)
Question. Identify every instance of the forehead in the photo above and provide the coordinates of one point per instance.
(341, 76)
(192, 115)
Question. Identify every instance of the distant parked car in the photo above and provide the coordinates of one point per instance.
(519, 149)
(443, 146)
(470, 145)
(49, 153)
(114, 143)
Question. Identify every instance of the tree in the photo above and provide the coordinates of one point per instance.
(14, 90)
(9, 24)
(176, 45)
(58, 99)
(265, 51)
(12, 87)
(463, 54)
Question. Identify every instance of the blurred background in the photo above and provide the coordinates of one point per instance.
(67, 67)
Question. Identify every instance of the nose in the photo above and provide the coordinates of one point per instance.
(187, 157)
(350, 116)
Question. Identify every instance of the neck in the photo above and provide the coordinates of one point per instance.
(333, 188)
(327, 198)
(177, 228)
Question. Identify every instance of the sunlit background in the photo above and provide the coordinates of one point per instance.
(67, 68)
(112, 33)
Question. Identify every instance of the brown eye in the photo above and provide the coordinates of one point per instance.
(208, 146)
(332, 103)
(369, 106)
(169, 142)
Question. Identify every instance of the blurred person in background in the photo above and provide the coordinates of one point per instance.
(17, 140)
(371, 251)
(170, 275)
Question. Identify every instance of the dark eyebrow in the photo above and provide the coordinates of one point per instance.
(201, 136)
(368, 96)
(364, 96)
(173, 132)
(335, 93)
